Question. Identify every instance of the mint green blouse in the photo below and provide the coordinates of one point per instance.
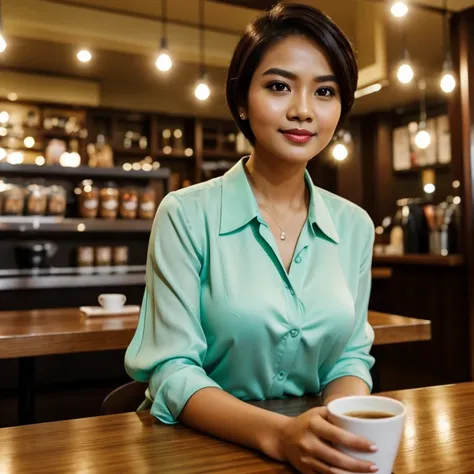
(220, 310)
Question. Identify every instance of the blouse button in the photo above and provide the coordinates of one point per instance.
(298, 260)
(294, 333)
(281, 375)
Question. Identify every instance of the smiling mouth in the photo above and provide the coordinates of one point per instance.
(298, 136)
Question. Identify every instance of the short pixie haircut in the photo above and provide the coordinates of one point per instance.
(279, 22)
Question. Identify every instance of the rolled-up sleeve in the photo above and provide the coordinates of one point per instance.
(169, 345)
(356, 360)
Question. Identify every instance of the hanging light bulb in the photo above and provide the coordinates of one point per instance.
(163, 61)
(448, 81)
(405, 73)
(399, 9)
(84, 56)
(422, 138)
(202, 91)
(340, 152)
(3, 43)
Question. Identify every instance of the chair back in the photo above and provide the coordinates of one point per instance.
(124, 399)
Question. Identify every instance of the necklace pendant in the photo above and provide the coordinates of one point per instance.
(283, 235)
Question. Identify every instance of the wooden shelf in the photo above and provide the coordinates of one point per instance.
(131, 151)
(222, 155)
(418, 169)
(86, 172)
(64, 224)
(72, 281)
(420, 259)
(174, 155)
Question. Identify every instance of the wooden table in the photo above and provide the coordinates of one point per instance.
(28, 334)
(438, 438)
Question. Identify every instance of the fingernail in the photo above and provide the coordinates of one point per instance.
(374, 468)
(373, 447)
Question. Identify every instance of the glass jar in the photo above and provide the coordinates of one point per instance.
(85, 257)
(89, 201)
(147, 206)
(128, 203)
(103, 256)
(109, 201)
(57, 201)
(120, 256)
(36, 200)
(13, 200)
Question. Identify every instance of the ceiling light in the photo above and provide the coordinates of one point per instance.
(399, 9)
(368, 90)
(405, 73)
(423, 139)
(202, 91)
(29, 142)
(4, 117)
(12, 96)
(3, 44)
(429, 188)
(164, 62)
(84, 56)
(448, 82)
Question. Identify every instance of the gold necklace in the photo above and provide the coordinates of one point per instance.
(282, 232)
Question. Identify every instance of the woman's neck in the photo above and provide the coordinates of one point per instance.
(278, 183)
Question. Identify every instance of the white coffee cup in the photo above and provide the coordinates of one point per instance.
(385, 433)
(112, 301)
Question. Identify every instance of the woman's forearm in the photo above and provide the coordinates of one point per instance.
(215, 412)
(344, 387)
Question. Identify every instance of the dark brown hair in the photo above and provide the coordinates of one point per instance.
(279, 22)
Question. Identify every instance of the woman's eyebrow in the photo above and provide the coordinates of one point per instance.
(292, 76)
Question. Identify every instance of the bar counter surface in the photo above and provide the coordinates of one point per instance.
(438, 439)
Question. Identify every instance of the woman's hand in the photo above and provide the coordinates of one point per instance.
(305, 442)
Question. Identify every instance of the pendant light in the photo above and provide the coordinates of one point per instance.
(163, 61)
(405, 71)
(399, 9)
(3, 43)
(422, 138)
(202, 91)
(448, 81)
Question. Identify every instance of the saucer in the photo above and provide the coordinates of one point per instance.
(93, 311)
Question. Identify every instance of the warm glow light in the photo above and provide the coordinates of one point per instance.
(147, 167)
(127, 166)
(4, 117)
(29, 142)
(3, 154)
(166, 133)
(70, 160)
(136, 166)
(456, 183)
(399, 9)
(340, 152)
(40, 161)
(202, 91)
(368, 90)
(423, 139)
(12, 96)
(429, 188)
(156, 165)
(379, 230)
(3, 44)
(81, 227)
(188, 152)
(3, 132)
(15, 158)
(405, 73)
(448, 83)
(178, 133)
(164, 62)
(167, 150)
(84, 56)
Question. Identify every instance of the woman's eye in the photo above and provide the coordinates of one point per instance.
(278, 87)
(326, 92)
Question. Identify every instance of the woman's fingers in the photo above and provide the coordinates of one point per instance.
(327, 431)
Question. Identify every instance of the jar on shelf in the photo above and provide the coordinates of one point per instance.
(36, 200)
(147, 207)
(128, 203)
(89, 201)
(103, 256)
(109, 201)
(120, 255)
(57, 201)
(85, 257)
(13, 200)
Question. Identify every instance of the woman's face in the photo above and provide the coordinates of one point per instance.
(294, 104)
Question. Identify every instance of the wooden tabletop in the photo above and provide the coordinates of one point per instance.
(437, 439)
(64, 331)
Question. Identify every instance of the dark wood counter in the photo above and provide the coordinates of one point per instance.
(438, 438)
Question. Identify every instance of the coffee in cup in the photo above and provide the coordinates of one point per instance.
(378, 419)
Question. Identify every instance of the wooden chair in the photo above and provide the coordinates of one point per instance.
(124, 399)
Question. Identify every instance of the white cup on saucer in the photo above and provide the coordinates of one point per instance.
(112, 301)
(379, 419)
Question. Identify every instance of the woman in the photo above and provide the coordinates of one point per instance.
(257, 281)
